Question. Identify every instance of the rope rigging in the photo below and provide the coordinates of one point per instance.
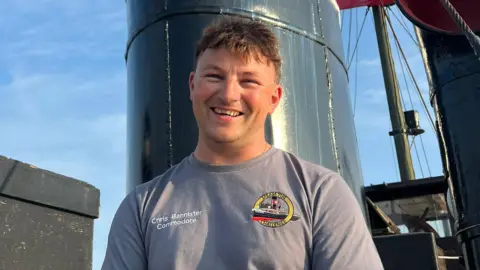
(341, 24)
(395, 167)
(426, 159)
(411, 74)
(358, 38)
(411, 144)
(412, 78)
(404, 77)
(404, 26)
(356, 52)
(472, 38)
(353, 56)
(418, 158)
(349, 35)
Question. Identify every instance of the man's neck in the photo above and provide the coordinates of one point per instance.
(229, 153)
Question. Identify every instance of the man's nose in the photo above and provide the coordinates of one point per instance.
(230, 90)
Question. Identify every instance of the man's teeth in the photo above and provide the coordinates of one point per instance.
(226, 112)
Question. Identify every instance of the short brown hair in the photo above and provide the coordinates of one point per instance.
(242, 36)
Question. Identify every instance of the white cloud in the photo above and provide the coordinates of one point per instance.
(375, 62)
(34, 96)
(79, 29)
(372, 120)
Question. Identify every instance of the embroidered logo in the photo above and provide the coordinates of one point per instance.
(273, 209)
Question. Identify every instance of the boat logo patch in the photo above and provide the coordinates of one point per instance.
(273, 209)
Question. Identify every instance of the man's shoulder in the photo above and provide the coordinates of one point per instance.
(146, 189)
(322, 185)
(306, 168)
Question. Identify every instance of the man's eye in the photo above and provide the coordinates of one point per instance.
(251, 82)
(214, 76)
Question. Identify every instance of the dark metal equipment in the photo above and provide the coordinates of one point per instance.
(455, 85)
(413, 251)
(314, 120)
(411, 225)
(444, 30)
(413, 123)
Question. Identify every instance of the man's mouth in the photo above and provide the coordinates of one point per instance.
(225, 112)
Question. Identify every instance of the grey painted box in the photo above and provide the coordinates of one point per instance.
(46, 219)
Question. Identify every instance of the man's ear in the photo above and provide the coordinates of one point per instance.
(191, 83)
(276, 97)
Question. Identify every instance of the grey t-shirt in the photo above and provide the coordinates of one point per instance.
(276, 211)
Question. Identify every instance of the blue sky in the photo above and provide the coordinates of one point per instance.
(63, 96)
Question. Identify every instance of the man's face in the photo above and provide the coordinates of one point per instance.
(231, 97)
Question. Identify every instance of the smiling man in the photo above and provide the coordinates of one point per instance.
(237, 202)
(233, 89)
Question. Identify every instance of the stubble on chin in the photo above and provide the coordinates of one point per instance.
(219, 138)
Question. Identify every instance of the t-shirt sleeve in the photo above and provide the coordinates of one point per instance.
(125, 248)
(341, 238)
